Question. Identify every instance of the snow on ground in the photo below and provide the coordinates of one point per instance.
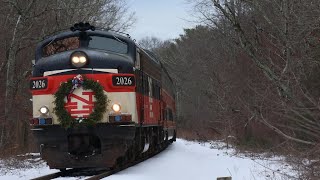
(182, 160)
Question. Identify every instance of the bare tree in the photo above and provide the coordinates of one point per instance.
(273, 49)
(150, 43)
(271, 37)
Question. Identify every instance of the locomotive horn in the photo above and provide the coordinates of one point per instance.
(82, 27)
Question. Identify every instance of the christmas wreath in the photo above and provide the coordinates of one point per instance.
(66, 90)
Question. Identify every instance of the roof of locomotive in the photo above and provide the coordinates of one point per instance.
(66, 34)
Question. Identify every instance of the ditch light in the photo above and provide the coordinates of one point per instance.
(116, 108)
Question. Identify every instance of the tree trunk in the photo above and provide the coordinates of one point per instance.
(11, 64)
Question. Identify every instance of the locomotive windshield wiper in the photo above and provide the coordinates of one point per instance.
(54, 38)
(117, 38)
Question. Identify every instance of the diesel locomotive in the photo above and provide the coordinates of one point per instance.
(99, 99)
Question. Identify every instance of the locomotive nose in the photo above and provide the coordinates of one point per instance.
(83, 58)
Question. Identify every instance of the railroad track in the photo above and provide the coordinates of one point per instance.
(50, 176)
(99, 173)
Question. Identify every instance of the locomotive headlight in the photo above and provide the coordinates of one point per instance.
(75, 60)
(79, 59)
(116, 107)
(44, 110)
(83, 59)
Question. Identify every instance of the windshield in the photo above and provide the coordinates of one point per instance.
(108, 44)
(94, 42)
(62, 45)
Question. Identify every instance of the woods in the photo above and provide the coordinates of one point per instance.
(250, 71)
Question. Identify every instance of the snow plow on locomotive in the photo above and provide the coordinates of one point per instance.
(99, 100)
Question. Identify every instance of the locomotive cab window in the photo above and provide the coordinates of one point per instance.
(137, 62)
(108, 44)
(94, 42)
(62, 45)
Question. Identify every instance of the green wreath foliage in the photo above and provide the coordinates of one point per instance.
(100, 104)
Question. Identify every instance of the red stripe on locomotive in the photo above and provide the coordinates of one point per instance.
(104, 79)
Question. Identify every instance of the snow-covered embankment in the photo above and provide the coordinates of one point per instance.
(182, 160)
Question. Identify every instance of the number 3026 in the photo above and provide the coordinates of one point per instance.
(38, 84)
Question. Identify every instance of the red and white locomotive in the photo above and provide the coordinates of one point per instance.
(99, 99)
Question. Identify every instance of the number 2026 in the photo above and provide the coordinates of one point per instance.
(38, 84)
(124, 81)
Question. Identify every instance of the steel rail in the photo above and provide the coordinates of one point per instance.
(49, 176)
(111, 172)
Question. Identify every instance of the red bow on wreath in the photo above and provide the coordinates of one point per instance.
(76, 83)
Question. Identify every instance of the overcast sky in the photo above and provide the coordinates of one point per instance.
(164, 19)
